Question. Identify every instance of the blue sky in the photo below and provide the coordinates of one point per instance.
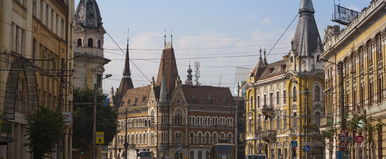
(203, 28)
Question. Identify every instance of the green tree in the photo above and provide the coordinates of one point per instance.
(83, 116)
(45, 128)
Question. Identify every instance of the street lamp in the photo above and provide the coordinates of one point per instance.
(94, 114)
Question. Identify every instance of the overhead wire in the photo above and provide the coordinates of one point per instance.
(143, 74)
(281, 36)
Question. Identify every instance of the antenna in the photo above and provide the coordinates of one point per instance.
(197, 73)
(219, 81)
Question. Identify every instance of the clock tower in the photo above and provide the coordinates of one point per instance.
(89, 58)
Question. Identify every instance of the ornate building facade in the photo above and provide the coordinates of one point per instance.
(89, 38)
(170, 119)
(355, 83)
(35, 67)
(284, 98)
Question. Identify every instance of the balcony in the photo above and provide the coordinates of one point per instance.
(268, 111)
(269, 136)
(252, 136)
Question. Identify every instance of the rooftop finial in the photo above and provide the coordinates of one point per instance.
(165, 38)
(265, 56)
(171, 37)
(260, 53)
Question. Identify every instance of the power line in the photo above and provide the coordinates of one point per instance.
(281, 36)
(143, 74)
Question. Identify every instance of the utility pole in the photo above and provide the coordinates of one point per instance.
(61, 101)
(94, 123)
(126, 143)
(342, 107)
(341, 96)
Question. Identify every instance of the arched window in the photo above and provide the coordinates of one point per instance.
(199, 154)
(207, 139)
(191, 136)
(90, 42)
(79, 43)
(99, 44)
(178, 117)
(191, 154)
(230, 139)
(215, 139)
(294, 94)
(199, 138)
(317, 93)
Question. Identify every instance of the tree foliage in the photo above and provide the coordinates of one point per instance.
(45, 129)
(83, 119)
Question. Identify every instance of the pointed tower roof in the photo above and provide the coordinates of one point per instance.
(260, 65)
(167, 69)
(307, 39)
(87, 14)
(163, 92)
(126, 81)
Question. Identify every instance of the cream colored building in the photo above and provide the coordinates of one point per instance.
(35, 54)
(284, 99)
(360, 49)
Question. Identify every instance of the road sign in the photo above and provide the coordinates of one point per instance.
(260, 146)
(307, 148)
(345, 138)
(100, 139)
(359, 139)
(294, 144)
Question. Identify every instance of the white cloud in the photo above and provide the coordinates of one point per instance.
(265, 20)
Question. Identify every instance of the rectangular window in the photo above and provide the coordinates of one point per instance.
(99, 81)
(258, 101)
(284, 96)
(378, 46)
(62, 27)
(47, 15)
(17, 39)
(353, 63)
(361, 57)
(380, 89)
(265, 100)
(271, 99)
(277, 97)
(371, 92)
(369, 52)
(34, 49)
(34, 8)
(354, 98)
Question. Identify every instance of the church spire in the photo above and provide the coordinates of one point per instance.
(307, 39)
(126, 71)
(306, 6)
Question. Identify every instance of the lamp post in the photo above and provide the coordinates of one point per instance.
(94, 117)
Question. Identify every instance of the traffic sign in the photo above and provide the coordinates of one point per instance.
(260, 146)
(307, 148)
(100, 139)
(359, 139)
(345, 138)
(294, 144)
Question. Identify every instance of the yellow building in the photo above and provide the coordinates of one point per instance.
(35, 53)
(357, 88)
(284, 99)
